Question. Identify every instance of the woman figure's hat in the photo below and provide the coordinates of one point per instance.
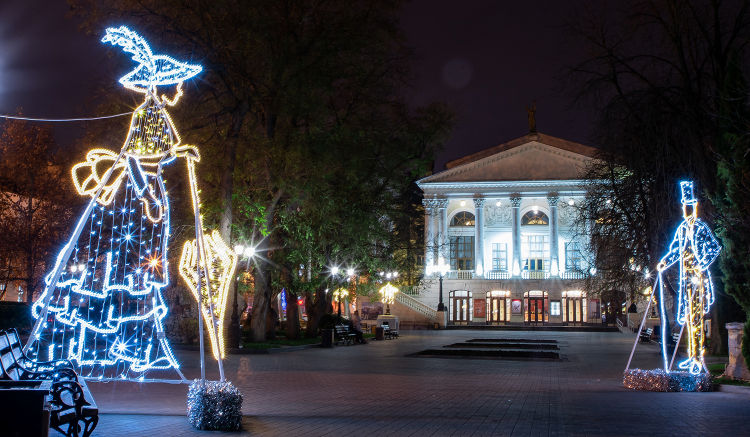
(688, 196)
(152, 70)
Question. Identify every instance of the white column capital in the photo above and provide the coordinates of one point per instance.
(479, 202)
(553, 199)
(515, 200)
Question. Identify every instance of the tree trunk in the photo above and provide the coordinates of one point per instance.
(316, 308)
(272, 316)
(260, 304)
(227, 190)
(292, 316)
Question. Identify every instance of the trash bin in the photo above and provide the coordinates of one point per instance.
(326, 337)
(379, 335)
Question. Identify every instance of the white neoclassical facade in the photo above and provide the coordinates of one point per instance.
(501, 225)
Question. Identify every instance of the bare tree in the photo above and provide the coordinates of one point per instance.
(35, 204)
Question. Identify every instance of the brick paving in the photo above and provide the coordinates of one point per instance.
(375, 389)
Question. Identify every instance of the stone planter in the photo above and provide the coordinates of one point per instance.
(737, 367)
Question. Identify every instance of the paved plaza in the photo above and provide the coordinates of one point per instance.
(376, 389)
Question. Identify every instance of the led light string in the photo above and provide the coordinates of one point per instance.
(694, 248)
(64, 120)
(104, 293)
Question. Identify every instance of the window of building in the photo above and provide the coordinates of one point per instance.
(462, 253)
(537, 249)
(463, 218)
(572, 256)
(500, 257)
(534, 218)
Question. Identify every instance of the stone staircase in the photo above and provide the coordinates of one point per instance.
(416, 306)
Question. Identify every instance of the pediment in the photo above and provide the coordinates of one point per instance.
(522, 161)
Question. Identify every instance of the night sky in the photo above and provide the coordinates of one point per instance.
(487, 59)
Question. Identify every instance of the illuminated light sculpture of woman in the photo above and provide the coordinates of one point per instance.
(695, 248)
(102, 306)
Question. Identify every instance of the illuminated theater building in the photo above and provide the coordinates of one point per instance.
(501, 225)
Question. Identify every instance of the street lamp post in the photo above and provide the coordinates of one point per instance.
(342, 293)
(441, 269)
(234, 325)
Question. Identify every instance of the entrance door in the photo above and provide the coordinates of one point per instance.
(495, 309)
(460, 307)
(535, 310)
(574, 310)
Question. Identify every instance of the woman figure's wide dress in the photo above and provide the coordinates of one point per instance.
(107, 310)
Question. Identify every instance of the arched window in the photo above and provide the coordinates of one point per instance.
(534, 218)
(463, 218)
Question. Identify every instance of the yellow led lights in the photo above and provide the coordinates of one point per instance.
(221, 262)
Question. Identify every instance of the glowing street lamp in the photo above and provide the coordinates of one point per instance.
(339, 295)
(440, 269)
(388, 293)
(247, 251)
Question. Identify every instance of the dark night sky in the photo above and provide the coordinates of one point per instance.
(487, 59)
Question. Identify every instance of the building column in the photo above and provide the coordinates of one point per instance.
(442, 239)
(554, 259)
(429, 234)
(515, 202)
(479, 236)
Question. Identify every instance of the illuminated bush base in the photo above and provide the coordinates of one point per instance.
(214, 406)
(659, 380)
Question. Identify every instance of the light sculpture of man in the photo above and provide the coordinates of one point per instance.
(695, 248)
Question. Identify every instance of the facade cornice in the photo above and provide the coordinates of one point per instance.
(574, 187)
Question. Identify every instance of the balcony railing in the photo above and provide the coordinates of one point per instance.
(534, 274)
(459, 274)
(497, 274)
(572, 274)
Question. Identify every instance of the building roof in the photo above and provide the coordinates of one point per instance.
(532, 157)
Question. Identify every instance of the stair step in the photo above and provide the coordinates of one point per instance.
(497, 354)
(506, 346)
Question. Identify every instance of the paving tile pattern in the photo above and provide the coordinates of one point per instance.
(375, 389)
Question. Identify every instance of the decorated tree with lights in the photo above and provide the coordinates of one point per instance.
(102, 306)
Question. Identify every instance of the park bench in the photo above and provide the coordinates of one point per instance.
(73, 410)
(344, 335)
(646, 335)
(389, 333)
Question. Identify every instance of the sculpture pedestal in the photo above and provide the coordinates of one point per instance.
(390, 319)
(442, 319)
(737, 368)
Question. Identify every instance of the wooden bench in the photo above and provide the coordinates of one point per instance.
(73, 406)
(344, 335)
(389, 333)
(646, 335)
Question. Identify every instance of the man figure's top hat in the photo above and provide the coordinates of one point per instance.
(688, 196)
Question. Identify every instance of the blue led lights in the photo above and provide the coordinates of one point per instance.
(694, 247)
(102, 306)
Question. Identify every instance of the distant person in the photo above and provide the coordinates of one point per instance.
(357, 327)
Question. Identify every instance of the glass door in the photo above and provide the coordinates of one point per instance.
(495, 309)
(535, 310)
(460, 306)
